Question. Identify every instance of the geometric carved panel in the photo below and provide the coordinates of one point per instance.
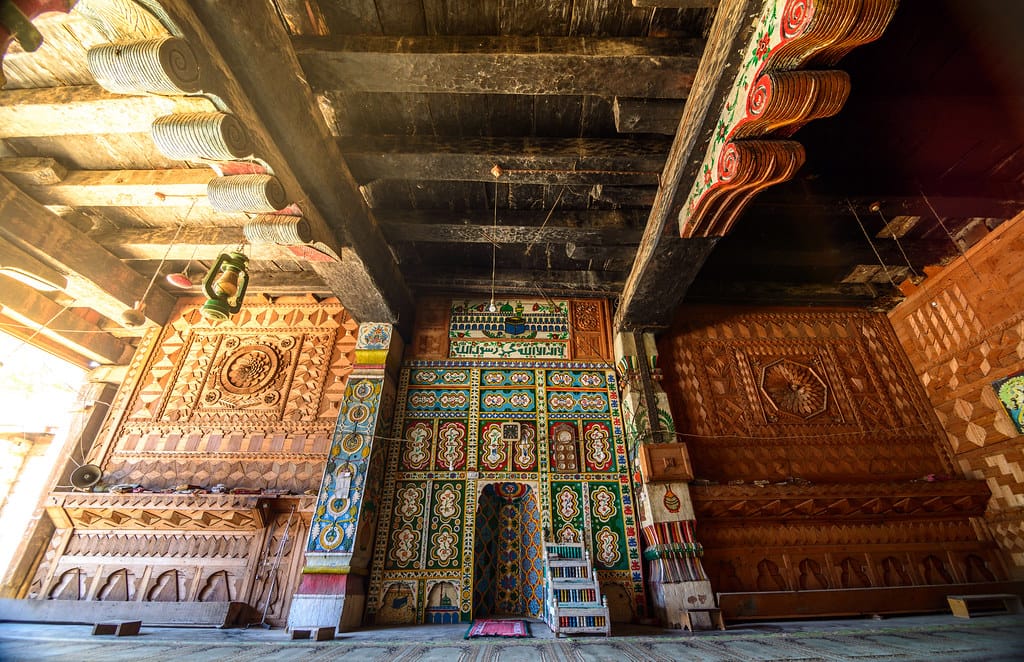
(824, 396)
(250, 402)
(155, 512)
(249, 372)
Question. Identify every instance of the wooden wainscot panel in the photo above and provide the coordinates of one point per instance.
(665, 462)
(180, 512)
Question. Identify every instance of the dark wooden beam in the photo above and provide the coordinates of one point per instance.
(603, 253)
(535, 283)
(85, 109)
(644, 302)
(791, 294)
(624, 196)
(250, 64)
(676, 4)
(45, 317)
(647, 115)
(514, 227)
(568, 161)
(96, 277)
(639, 67)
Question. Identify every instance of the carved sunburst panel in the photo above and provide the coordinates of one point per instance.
(794, 388)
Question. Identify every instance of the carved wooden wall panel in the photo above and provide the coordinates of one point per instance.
(822, 464)
(816, 395)
(251, 403)
(181, 566)
(963, 330)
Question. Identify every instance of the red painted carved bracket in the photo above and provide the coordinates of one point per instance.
(773, 96)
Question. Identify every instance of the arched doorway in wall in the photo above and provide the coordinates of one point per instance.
(508, 567)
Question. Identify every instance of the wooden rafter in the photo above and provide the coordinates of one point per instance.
(82, 109)
(641, 67)
(96, 277)
(569, 161)
(37, 315)
(244, 46)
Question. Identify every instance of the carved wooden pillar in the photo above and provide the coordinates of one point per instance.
(332, 591)
(661, 471)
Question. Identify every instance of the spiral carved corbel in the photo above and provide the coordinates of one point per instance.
(772, 97)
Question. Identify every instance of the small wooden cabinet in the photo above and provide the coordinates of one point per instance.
(664, 462)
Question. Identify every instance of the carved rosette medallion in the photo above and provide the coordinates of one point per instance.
(249, 373)
(794, 388)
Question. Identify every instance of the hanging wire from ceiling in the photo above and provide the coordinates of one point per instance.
(540, 230)
(494, 244)
(141, 303)
(956, 244)
(876, 207)
(870, 243)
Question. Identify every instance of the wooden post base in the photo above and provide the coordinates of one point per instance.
(319, 634)
(117, 628)
(714, 613)
(961, 605)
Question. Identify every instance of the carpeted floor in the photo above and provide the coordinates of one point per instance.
(925, 638)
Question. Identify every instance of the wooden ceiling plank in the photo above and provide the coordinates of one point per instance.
(644, 302)
(95, 276)
(192, 242)
(251, 65)
(569, 161)
(86, 109)
(647, 115)
(26, 306)
(537, 283)
(676, 4)
(126, 188)
(32, 171)
(635, 67)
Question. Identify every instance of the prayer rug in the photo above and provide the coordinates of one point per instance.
(488, 627)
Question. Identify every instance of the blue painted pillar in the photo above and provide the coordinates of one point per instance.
(332, 591)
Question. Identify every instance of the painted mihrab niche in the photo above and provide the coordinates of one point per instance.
(509, 329)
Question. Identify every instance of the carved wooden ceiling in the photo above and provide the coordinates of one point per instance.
(423, 139)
